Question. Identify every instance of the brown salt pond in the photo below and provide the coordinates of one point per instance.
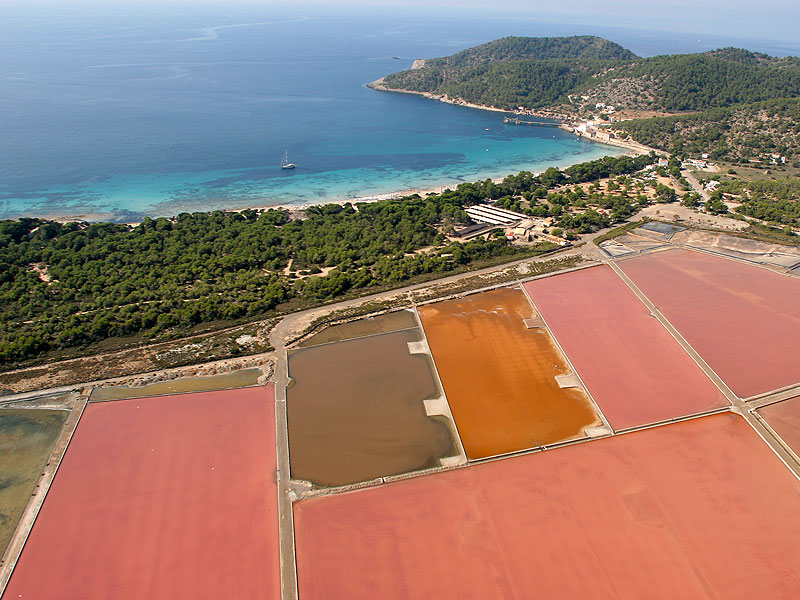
(27, 438)
(499, 376)
(356, 411)
(393, 321)
(236, 379)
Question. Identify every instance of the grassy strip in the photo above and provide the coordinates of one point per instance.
(618, 231)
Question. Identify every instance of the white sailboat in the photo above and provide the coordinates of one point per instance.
(285, 164)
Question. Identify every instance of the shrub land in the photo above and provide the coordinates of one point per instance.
(64, 286)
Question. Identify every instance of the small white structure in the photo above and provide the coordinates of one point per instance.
(699, 164)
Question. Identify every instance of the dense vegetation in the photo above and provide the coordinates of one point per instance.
(540, 72)
(68, 285)
(112, 280)
(690, 82)
(514, 71)
(735, 134)
(579, 47)
(777, 202)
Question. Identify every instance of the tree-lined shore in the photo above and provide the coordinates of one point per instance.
(68, 285)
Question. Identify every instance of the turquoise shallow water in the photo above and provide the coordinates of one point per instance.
(119, 115)
(436, 161)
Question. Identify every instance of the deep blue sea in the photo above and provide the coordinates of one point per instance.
(119, 115)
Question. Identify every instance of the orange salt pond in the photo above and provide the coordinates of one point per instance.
(499, 376)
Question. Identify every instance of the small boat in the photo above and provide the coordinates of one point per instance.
(285, 164)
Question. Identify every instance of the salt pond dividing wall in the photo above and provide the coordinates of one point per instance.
(784, 418)
(500, 376)
(161, 498)
(356, 411)
(743, 320)
(634, 369)
(663, 513)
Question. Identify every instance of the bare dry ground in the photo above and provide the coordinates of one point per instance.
(153, 362)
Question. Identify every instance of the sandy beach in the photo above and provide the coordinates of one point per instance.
(264, 204)
(632, 148)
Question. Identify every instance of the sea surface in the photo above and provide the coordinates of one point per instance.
(111, 114)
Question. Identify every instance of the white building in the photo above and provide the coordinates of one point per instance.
(699, 164)
(492, 215)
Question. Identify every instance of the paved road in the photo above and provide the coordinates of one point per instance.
(696, 185)
(285, 514)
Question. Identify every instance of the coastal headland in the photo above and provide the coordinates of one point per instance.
(568, 121)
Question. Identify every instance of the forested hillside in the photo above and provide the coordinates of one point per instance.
(690, 82)
(65, 286)
(579, 72)
(514, 71)
(777, 202)
(735, 134)
(579, 47)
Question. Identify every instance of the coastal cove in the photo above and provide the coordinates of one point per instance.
(117, 117)
(121, 116)
(441, 160)
(153, 119)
